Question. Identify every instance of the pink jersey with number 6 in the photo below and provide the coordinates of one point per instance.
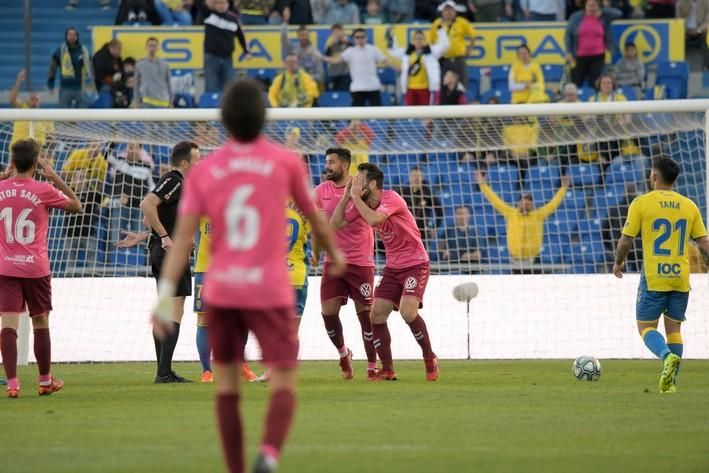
(24, 222)
(243, 188)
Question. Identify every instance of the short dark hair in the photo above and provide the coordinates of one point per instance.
(630, 44)
(24, 154)
(129, 60)
(667, 168)
(342, 153)
(244, 110)
(303, 28)
(152, 38)
(182, 152)
(373, 173)
(359, 30)
(336, 26)
(527, 196)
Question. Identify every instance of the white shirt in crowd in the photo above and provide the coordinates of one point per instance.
(362, 62)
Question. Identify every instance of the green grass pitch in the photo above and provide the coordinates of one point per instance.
(481, 416)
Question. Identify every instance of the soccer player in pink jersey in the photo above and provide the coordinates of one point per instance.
(357, 242)
(407, 266)
(25, 279)
(242, 188)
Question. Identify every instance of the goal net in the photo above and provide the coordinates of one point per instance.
(545, 289)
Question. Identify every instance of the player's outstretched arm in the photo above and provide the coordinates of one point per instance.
(73, 205)
(131, 239)
(325, 238)
(149, 206)
(624, 245)
(338, 216)
(173, 267)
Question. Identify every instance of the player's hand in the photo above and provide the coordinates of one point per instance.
(21, 76)
(338, 263)
(166, 242)
(356, 185)
(130, 239)
(46, 170)
(348, 188)
(618, 270)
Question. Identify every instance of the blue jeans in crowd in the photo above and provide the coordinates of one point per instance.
(170, 17)
(248, 19)
(71, 98)
(218, 72)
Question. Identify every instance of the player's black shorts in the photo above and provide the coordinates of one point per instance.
(184, 284)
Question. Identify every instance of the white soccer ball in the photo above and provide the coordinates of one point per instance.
(586, 368)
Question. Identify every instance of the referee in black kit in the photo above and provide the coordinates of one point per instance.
(160, 211)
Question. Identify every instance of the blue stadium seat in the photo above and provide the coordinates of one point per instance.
(555, 248)
(584, 174)
(461, 192)
(264, 75)
(135, 256)
(387, 76)
(606, 197)
(104, 100)
(499, 77)
(659, 92)
(183, 101)
(542, 176)
(503, 95)
(552, 73)
(622, 171)
(209, 100)
(473, 85)
(585, 93)
(335, 99)
(498, 254)
(629, 92)
(504, 181)
(674, 76)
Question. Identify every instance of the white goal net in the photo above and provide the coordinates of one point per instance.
(545, 287)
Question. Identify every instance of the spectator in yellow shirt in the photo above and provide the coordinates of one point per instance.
(521, 138)
(293, 87)
(524, 75)
(23, 129)
(525, 223)
(607, 92)
(461, 37)
(85, 171)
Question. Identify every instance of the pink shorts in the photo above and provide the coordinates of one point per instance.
(357, 284)
(275, 330)
(397, 283)
(33, 293)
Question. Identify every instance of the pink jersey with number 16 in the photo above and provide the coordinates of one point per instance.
(355, 239)
(399, 233)
(243, 188)
(24, 221)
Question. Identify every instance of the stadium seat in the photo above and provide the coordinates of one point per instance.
(209, 100)
(658, 92)
(183, 101)
(674, 76)
(473, 85)
(630, 93)
(499, 77)
(585, 93)
(503, 95)
(335, 99)
(553, 73)
(607, 197)
(263, 75)
(104, 100)
(504, 181)
(623, 171)
(584, 174)
(542, 176)
(387, 76)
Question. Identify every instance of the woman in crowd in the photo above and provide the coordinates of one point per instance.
(525, 76)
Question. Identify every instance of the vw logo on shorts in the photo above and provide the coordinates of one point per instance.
(366, 290)
(411, 283)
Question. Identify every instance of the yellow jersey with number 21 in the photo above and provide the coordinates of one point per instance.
(666, 220)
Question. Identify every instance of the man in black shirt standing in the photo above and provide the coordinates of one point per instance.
(221, 26)
(424, 205)
(160, 212)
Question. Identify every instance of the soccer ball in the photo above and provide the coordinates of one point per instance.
(586, 368)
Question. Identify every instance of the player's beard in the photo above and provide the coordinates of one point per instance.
(333, 175)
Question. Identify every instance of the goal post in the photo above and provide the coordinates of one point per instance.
(544, 294)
